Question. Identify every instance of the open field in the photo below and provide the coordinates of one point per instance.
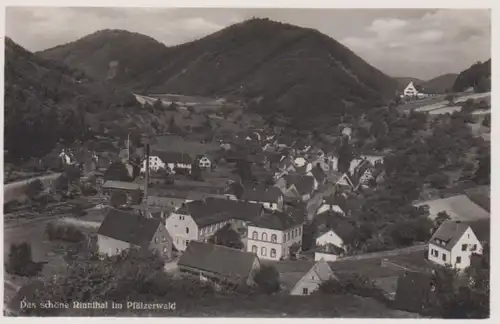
(440, 106)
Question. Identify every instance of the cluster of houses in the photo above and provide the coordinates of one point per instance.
(268, 218)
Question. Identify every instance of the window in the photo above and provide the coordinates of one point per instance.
(264, 236)
(274, 238)
(187, 242)
(164, 239)
(300, 230)
(156, 240)
(117, 250)
(293, 234)
(444, 257)
(305, 291)
(284, 237)
(459, 259)
(165, 249)
(263, 251)
(464, 247)
(254, 249)
(296, 232)
(288, 236)
(273, 253)
(474, 247)
(255, 236)
(187, 230)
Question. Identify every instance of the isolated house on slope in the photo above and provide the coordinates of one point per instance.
(219, 263)
(453, 244)
(122, 230)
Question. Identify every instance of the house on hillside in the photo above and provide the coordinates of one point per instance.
(410, 90)
(198, 220)
(219, 264)
(120, 231)
(453, 244)
(271, 235)
(168, 160)
(310, 281)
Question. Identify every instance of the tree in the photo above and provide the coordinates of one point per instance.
(72, 173)
(487, 121)
(244, 170)
(33, 189)
(118, 198)
(227, 236)
(442, 216)
(117, 171)
(450, 98)
(267, 279)
(439, 180)
(196, 173)
(345, 156)
(483, 172)
(20, 261)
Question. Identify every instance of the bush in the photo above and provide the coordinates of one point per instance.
(20, 261)
(267, 279)
(63, 232)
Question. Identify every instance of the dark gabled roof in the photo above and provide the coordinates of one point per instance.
(318, 174)
(129, 227)
(277, 220)
(303, 183)
(449, 233)
(261, 194)
(173, 157)
(217, 259)
(329, 249)
(413, 289)
(214, 210)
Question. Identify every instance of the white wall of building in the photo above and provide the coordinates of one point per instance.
(324, 256)
(183, 229)
(111, 246)
(262, 244)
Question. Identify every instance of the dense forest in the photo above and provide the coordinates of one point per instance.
(47, 103)
(478, 76)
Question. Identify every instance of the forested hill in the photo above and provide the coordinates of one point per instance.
(116, 55)
(297, 71)
(46, 102)
(477, 76)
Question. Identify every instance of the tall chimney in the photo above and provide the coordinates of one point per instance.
(146, 182)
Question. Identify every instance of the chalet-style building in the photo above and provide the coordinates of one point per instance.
(453, 244)
(271, 235)
(198, 220)
(121, 230)
(220, 264)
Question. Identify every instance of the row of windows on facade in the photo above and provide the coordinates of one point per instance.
(263, 251)
(207, 229)
(274, 238)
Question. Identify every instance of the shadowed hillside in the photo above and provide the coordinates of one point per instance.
(293, 69)
(477, 76)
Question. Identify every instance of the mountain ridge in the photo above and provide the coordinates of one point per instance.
(294, 68)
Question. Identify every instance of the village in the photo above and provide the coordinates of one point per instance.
(221, 211)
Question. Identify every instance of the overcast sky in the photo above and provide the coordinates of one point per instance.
(401, 42)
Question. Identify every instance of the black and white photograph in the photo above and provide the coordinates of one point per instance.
(247, 162)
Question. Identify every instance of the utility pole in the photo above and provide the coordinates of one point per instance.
(128, 147)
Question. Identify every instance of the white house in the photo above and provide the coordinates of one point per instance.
(271, 235)
(171, 160)
(198, 220)
(410, 90)
(330, 237)
(204, 162)
(453, 244)
(310, 282)
(330, 204)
